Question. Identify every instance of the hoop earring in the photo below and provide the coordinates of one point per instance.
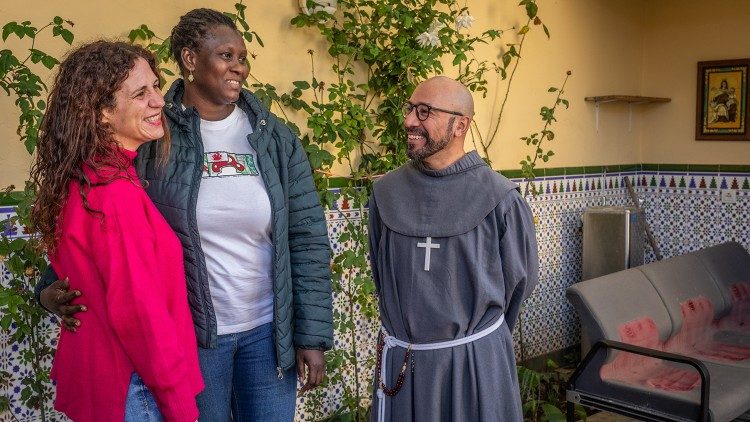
(190, 77)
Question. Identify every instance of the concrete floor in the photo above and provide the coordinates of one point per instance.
(608, 417)
(611, 417)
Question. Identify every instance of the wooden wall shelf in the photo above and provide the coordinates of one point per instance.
(629, 99)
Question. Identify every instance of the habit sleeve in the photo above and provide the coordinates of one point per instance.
(373, 233)
(518, 254)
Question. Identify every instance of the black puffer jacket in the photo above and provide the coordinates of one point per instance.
(301, 257)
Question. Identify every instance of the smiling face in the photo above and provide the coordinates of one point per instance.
(428, 137)
(219, 68)
(438, 140)
(137, 116)
(423, 143)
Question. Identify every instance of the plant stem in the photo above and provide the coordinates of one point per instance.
(278, 105)
(491, 138)
(544, 129)
(312, 72)
(33, 41)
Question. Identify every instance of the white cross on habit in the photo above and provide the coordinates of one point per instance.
(428, 245)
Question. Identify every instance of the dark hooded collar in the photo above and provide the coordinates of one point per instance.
(469, 161)
(419, 202)
(247, 102)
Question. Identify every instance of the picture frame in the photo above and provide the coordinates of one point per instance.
(721, 101)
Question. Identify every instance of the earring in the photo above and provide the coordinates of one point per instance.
(190, 77)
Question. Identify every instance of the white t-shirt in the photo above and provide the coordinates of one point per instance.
(234, 221)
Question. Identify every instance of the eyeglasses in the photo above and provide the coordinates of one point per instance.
(424, 110)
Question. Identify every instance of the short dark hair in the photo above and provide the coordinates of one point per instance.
(193, 29)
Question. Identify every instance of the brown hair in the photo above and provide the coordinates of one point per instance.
(72, 132)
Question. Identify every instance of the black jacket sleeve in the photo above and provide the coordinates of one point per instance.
(47, 278)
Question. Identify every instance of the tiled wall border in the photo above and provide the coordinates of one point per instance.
(682, 199)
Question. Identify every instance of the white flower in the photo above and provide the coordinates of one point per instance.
(464, 20)
(428, 39)
(328, 6)
(329, 9)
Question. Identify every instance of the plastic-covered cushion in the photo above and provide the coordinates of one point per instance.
(681, 278)
(637, 369)
(728, 263)
(697, 337)
(605, 303)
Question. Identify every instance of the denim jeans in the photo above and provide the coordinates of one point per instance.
(140, 405)
(241, 378)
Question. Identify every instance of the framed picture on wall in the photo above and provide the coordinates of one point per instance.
(721, 106)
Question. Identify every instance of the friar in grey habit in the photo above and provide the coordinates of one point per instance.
(454, 255)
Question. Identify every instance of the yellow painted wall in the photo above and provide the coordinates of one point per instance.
(611, 46)
(281, 61)
(587, 39)
(678, 35)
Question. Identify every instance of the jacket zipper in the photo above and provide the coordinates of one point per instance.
(211, 332)
(279, 370)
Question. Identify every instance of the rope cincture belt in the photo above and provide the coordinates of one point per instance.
(390, 342)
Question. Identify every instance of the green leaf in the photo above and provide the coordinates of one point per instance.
(552, 413)
(552, 89)
(546, 31)
(30, 31)
(531, 9)
(134, 35)
(524, 30)
(49, 62)
(67, 36)
(30, 144)
(6, 321)
(302, 84)
(57, 20)
(506, 60)
(260, 41)
(8, 29)
(17, 245)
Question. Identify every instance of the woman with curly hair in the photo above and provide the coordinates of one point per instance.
(134, 356)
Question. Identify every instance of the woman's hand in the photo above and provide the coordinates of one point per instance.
(56, 299)
(316, 368)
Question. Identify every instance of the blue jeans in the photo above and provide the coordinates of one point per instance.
(241, 378)
(140, 405)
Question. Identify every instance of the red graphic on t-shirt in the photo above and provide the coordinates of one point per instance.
(221, 160)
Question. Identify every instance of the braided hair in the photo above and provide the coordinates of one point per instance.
(193, 28)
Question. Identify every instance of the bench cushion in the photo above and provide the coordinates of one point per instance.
(606, 302)
(681, 278)
(728, 263)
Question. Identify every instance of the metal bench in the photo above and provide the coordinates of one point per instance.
(668, 340)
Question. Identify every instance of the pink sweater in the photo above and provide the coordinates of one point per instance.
(129, 267)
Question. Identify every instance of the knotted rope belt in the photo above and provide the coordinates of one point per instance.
(388, 342)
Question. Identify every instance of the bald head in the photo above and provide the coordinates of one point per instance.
(447, 93)
(436, 135)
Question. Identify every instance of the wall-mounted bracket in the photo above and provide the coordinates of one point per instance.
(630, 99)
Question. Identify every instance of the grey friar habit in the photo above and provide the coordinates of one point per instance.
(485, 266)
